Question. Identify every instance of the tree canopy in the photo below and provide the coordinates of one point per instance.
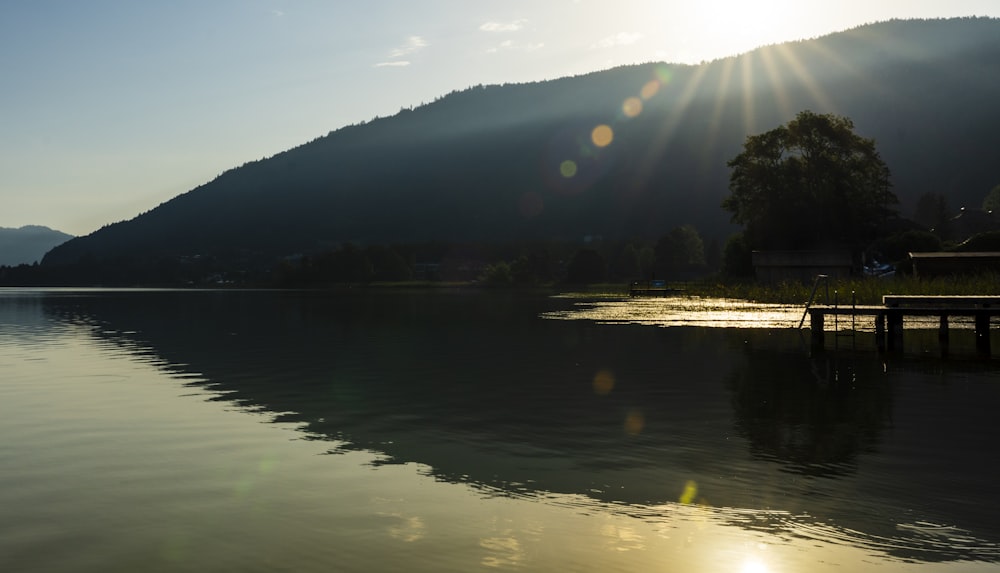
(811, 183)
(680, 249)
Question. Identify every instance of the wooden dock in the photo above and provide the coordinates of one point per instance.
(889, 317)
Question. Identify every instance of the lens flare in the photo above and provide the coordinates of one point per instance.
(649, 90)
(604, 382)
(567, 168)
(266, 466)
(690, 492)
(663, 74)
(574, 160)
(632, 107)
(602, 135)
(634, 422)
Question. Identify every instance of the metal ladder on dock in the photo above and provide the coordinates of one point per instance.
(812, 296)
(836, 325)
(825, 279)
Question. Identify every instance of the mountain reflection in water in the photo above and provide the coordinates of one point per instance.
(501, 392)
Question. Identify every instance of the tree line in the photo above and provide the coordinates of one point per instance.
(679, 254)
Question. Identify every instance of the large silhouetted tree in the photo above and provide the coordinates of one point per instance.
(808, 184)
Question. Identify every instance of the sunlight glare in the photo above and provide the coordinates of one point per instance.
(685, 311)
(791, 61)
(738, 27)
(754, 566)
(772, 69)
(747, 72)
(716, 120)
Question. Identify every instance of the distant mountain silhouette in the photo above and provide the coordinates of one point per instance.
(27, 245)
(518, 162)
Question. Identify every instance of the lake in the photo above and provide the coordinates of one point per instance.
(451, 430)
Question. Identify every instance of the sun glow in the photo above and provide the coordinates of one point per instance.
(754, 566)
(728, 28)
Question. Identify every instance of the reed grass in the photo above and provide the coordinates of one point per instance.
(866, 290)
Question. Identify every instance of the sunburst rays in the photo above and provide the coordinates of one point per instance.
(723, 101)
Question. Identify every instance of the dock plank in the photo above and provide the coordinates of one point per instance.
(943, 301)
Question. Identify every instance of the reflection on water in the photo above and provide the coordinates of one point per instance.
(682, 311)
(646, 431)
(854, 331)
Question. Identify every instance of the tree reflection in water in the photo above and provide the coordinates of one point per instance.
(488, 391)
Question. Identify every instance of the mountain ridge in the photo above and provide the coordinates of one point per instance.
(28, 244)
(488, 163)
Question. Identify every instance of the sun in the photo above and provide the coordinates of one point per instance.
(721, 28)
(742, 26)
(754, 566)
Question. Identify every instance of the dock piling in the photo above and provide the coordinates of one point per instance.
(816, 328)
(983, 333)
(889, 318)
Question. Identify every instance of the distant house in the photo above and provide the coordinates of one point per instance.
(942, 263)
(800, 266)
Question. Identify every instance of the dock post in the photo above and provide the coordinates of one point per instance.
(894, 320)
(816, 328)
(943, 335)
(983, 334)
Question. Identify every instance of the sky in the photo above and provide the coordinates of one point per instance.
(110, 107)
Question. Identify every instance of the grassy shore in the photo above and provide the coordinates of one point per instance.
(865, 290)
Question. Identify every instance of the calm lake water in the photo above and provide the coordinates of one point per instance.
(477, 431)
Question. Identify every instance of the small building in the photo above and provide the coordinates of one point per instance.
(947, 263)
(800, 266)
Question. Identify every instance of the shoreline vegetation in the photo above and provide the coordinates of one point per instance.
(859, 290)
(865, 290)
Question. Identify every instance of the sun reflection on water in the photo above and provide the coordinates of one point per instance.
(752, 565)
(683, 311)
(724, 313)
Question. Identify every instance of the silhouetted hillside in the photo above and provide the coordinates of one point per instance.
(27, 245)
(518, 163)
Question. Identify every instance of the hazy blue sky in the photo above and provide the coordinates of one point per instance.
(110, 107)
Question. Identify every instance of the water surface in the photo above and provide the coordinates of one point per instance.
(457, 431)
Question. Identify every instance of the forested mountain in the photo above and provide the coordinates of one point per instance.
(523, 162)
(27, 245)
